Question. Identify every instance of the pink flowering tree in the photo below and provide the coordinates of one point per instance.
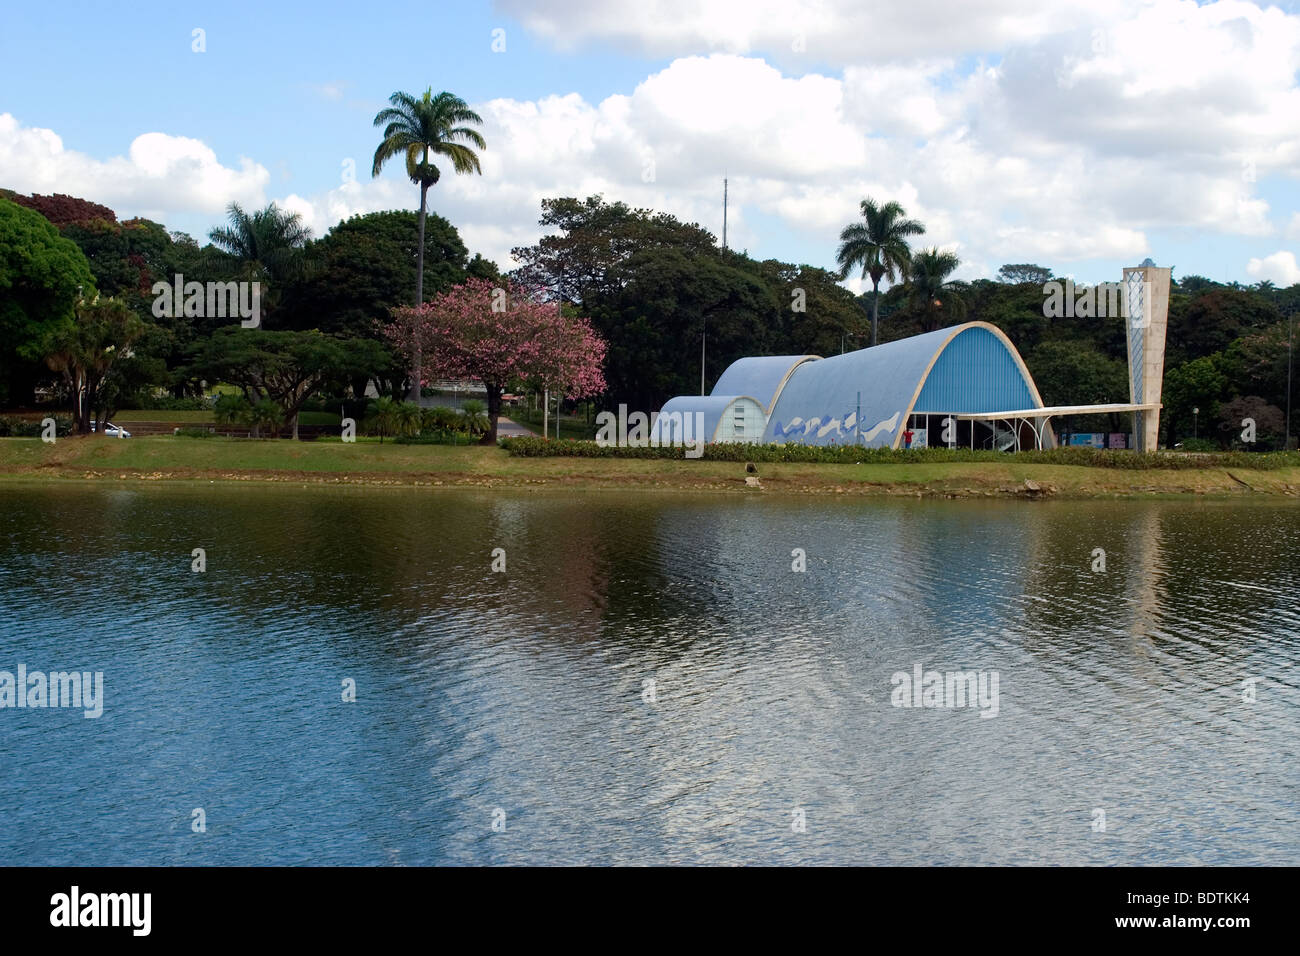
(501, 333)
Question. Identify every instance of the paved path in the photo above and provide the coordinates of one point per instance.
(508, 429)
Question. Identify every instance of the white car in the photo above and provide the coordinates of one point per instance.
(111, 430)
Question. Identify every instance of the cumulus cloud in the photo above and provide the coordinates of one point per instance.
(838, 32)
(159, 176)
(1280, 268)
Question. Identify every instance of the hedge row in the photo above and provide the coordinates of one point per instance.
(13, 426)
(848, 454)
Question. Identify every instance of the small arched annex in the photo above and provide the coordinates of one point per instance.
(868, 396)
(709, 418)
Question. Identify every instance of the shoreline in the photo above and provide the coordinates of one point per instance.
(171, 459)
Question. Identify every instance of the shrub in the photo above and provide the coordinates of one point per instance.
(194, 433)
(232, 410)
(408, 417)
(440, 419)
(383, 417)
(168, 403)
(534, 447)
(267, 414)
(15, 426)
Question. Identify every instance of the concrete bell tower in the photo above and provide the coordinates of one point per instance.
(1146, 301)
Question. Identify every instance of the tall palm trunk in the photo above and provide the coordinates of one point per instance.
(875, 308)
(417, 359)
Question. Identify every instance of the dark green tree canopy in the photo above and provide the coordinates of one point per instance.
(365, 266)
(42, 275)
(285, 367)
(1024, 272)
(593, 238)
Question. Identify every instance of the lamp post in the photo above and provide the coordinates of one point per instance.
(1195, 417)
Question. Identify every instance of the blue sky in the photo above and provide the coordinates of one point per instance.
(1033, 135)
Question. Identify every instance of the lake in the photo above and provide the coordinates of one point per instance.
(650, 680)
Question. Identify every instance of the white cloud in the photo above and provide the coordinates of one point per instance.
(161, 175)
(1280, 268)
(964, 152)
(1293, 228)
(836, 32)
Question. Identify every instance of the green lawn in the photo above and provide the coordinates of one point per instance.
(167, 456)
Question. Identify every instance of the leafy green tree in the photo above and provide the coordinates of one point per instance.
(666, 302)
(1199, 384)
(1195, 284)
(1270, 423)
(815, 315)
(1025, 273)
(1212, 320)
(366, 268)
(42, 275)
(585, 258)
(879, 245)
(932, 294)
(481, 268)
(85, 350)
(1015, 308)
(419, 129)
(1076, 373)
(1258, 363)
(284, 367)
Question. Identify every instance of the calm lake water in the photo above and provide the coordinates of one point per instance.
(1159, 699)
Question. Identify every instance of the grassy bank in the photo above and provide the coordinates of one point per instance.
(219, 459)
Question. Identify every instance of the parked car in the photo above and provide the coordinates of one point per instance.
(111, 430)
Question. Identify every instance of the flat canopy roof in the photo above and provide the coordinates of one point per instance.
(1052, 411)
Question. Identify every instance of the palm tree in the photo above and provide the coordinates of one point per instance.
(474, 414)
(418, 128)
(879, 245)
(931, 293)
(232, 410)
(408, 419)
(267, 245)
(384, 417)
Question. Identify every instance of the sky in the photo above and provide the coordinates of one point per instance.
(1083, 135)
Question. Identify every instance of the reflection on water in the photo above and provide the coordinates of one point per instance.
(649, 681)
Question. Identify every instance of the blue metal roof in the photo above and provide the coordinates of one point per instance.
(976, 373)
(759, 376)
(965, 368)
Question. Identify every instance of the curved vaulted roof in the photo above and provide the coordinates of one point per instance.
(713, 407)
(969, 368)
(763, 377)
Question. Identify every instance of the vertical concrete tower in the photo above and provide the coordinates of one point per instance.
(1146, 301)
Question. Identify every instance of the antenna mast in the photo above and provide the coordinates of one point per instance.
(724, 213)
